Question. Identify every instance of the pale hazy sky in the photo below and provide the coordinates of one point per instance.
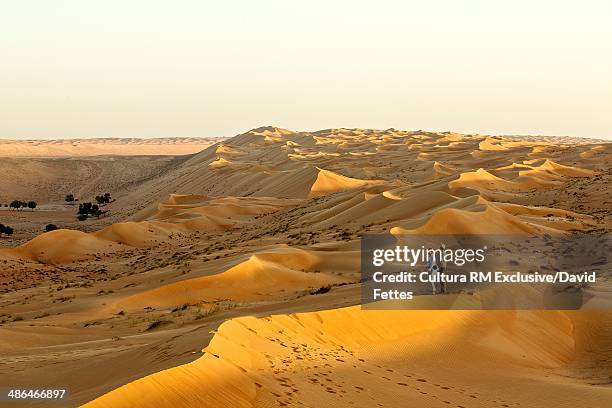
(147, 68)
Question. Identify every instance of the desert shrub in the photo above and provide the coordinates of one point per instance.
(321, 290)
(179, 308)
(5, 229)
(157, 324)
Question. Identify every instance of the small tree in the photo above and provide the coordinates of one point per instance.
(69, 198)
(51, 227)
(84, 208)
(5, 229)
(24, 204)
(107, 197)
(100, 199)
(87, 209)
(15, 204)
(32, 205)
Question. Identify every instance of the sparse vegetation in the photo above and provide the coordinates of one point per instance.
(18, 205)
(89, 209)
(15, 204)
(5, 229)
(208, 312)
(321, 290)
(157, 324)
(179, 308)
(103, 199)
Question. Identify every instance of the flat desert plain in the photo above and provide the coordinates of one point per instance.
(230, 277)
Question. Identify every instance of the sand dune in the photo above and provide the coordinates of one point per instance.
(482, 220)
(259, 277)
(63, 246)
(358, 358)
(250, 249)
(551, 168)
(330, 182)
(482, 179)
(439, 170)
(381, 208)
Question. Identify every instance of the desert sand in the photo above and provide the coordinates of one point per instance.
(231, 278)
(171, 146)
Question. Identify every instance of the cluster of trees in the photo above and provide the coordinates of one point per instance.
(103, 199)
(100, 199)
(18, 204)
(5, 229)
(89, 209)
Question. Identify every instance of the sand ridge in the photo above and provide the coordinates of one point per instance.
(356, 358)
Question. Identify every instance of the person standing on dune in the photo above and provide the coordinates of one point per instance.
(442, 269)
(434, 273)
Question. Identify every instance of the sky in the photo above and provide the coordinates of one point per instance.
(149, 68)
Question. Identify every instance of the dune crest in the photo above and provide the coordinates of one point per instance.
(329, 182)
(259, 277)
(253, 362)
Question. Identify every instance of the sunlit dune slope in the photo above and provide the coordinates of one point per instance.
(330, 182)
(362, 358)
(65, 246)
(279, 272)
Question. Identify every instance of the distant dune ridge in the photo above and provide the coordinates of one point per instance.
(104, 146)
(249, 249)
